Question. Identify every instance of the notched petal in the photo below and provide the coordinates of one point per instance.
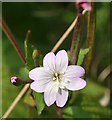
(74, 71)
(61, 61)
(39, 73)
(76, 84)
(49, 61)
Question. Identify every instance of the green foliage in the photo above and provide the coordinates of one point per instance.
(39, 97)
(93, 89)
(86, 106)
(40, 60)
(29, 51)
(24, 73)
(75, 112)
(81, 55)
(92, 106)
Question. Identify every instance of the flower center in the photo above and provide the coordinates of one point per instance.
(57, 77)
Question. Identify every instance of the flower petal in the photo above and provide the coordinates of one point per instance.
(39, 73)
(61, 97)
(74, 71)
(86, 6)
(50, 94)
(49, 61)
(76, 84)
(61, 61)
(38, 87)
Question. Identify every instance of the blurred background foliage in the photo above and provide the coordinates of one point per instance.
(48, 22)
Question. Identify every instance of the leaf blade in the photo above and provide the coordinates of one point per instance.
(29, 51)
(39, 97)
(81, 55)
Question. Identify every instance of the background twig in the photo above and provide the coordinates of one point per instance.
(12, 39)
(16, 100)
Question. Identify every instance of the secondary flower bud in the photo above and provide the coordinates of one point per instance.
(17, 81)
(35, 54)
(83, 5)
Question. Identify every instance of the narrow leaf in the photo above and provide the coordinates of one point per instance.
(76, 40)
(81, 55)
(90, 36)
(39, 97)
(29, 51)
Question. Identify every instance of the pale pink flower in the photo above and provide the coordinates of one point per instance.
(55, 78)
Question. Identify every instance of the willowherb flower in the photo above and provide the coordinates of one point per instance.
(55, 78)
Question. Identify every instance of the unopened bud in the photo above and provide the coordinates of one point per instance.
(83, 5)
(17, 81)
(35, 54)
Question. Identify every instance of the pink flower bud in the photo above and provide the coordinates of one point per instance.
(15, 81)
(86, 6)
(83, 4)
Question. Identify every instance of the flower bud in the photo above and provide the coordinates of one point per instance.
(35, 54)
(83, 5)
(15, 81)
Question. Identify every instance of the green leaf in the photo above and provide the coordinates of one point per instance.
(29, 60)
(68, 53)
(81, 56)
(24, 73)
(76, 112)
(92, 106)
(39, 97)
(40, 60)
(93, 89)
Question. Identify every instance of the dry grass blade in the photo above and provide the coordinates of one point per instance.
(16, 101)
(12, 39)
(66, 34)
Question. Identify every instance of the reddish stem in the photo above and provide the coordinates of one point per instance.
(58, 110)
(12, 39)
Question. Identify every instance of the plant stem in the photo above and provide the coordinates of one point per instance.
(58, 111)
(12, 39)
(76, 39)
